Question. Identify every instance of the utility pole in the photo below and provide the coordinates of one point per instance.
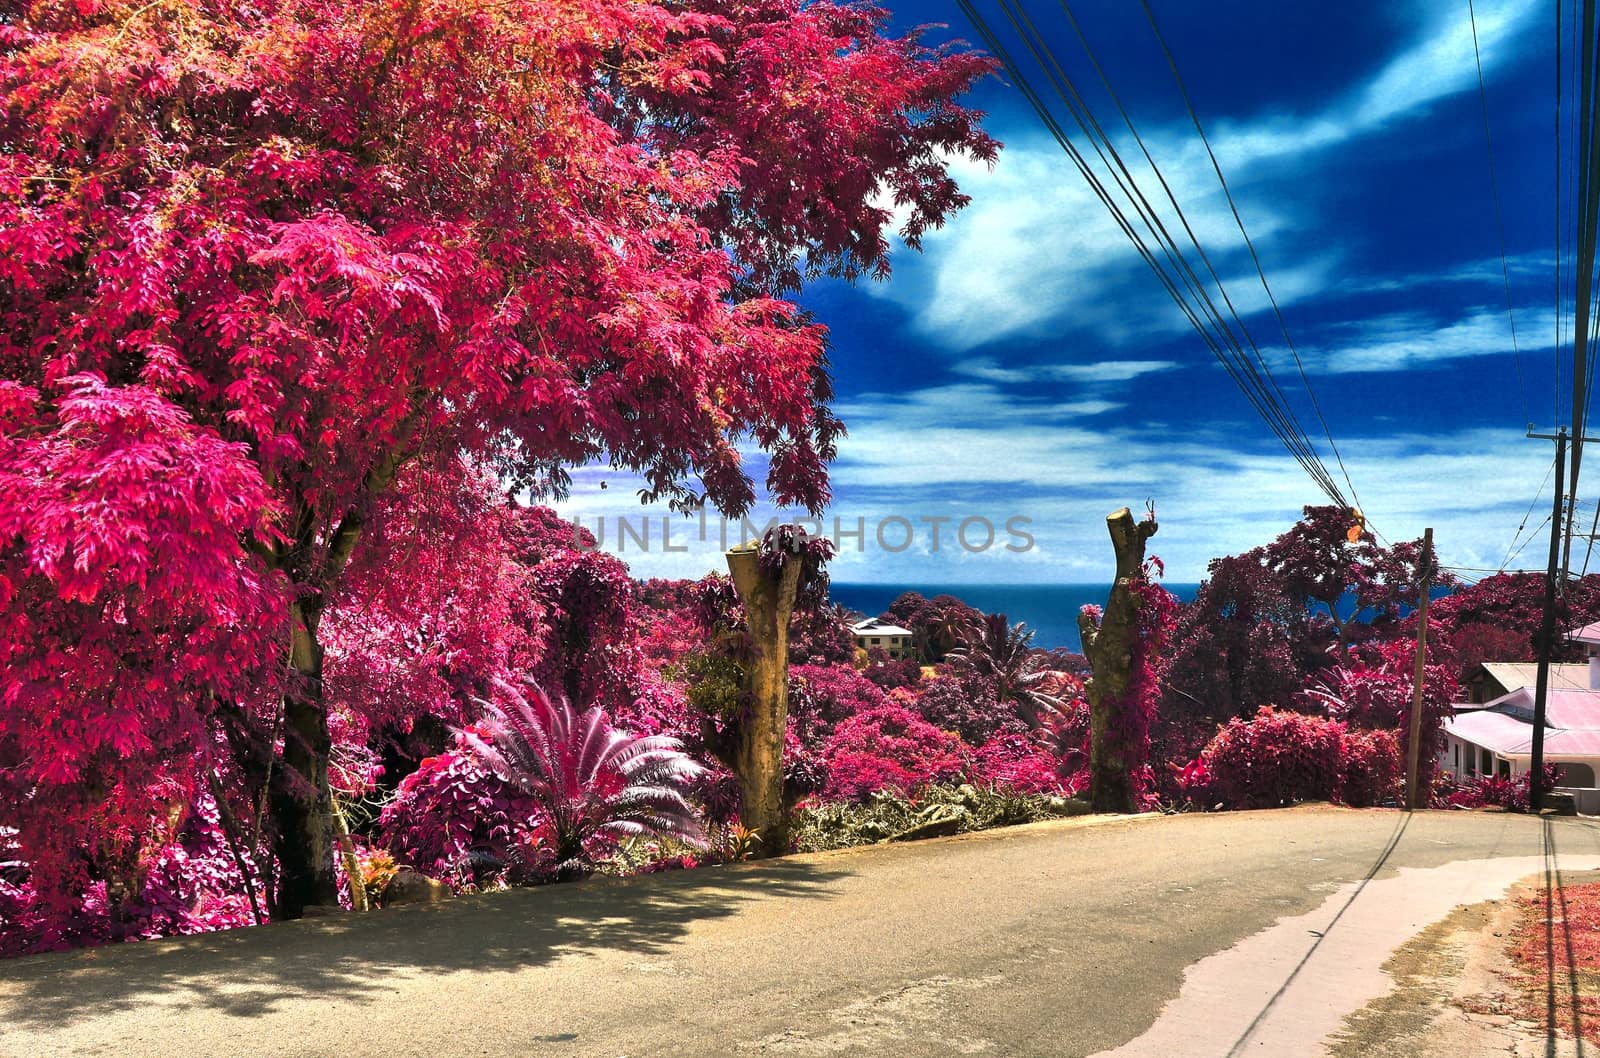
(1547, 629)
(1414, 747)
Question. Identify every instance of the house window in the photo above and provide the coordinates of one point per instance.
(1488, 764)
(876, 640)
(1458, 758)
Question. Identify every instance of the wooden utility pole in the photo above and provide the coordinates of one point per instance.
(1547, 629)
(1414, 747)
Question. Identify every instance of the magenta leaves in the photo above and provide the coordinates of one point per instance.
(594, 785)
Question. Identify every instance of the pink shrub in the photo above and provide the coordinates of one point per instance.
(1375, 692)
(1022, 763)
(190, 884)
(1373, 770)
(890, 673)
(1280, 757)
(969, 705)
(1488, 791)
(889, 747)
(658, 707)
(1276, 758)
(452, 815)
(822, 695)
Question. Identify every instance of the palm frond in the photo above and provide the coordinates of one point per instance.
(590, 780)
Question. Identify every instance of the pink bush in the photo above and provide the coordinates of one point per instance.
(1280, 757)
(890, 673)
(889, 747)
(451, 812)
(1488, 791)
(1373, 769)
(969, 705)
(820, 696)
(1375, 691)
(1024, 764)
(190, 884)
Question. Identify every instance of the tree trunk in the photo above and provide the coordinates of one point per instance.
(1109, 648)
(301, 800)
(758, 747)
(302, 803)
(351, 862)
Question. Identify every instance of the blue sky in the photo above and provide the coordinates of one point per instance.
(1028, 364)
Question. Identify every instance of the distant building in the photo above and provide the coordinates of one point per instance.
(873, 634)
(1492, 733)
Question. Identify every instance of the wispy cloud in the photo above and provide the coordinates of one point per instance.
(975, 450)
(1037, 248)
(1105, 371)
(1411, 340)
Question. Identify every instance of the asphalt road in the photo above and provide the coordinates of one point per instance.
(1057, 939)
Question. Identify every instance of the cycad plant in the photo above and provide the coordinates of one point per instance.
(594, 784)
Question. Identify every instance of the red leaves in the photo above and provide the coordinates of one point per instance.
(889, 747)
(125, 480)
(266, 265)
(1281, 757)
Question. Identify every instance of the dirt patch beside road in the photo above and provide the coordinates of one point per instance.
(1460, 991)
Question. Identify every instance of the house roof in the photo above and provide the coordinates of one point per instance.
(1514, 674)
(1575, 710)
(1502, 734)
(874, 627)
(1589, 633)
(1505, 725)
(1510, 737)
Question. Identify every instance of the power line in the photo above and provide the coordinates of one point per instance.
(1263, 378)
(1499, 221)
(1524, 524)
(1257, 384)
(1513, 557)
(1172, 64)
(1588, 212)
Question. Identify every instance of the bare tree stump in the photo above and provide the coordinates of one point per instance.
(1109, 648)
(757, 753)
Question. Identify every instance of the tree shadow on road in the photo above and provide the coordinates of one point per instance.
(350, 958)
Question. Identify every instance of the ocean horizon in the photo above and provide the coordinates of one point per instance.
(1049, 610)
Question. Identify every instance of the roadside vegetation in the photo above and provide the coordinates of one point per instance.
(473, 776)
(301, 298)
(1555, 952)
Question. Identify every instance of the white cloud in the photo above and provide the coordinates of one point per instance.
(1036, 246)
(1105, 371)
(1411, 340)
(970, 450)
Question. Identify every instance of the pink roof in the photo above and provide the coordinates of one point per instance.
(1503, 734)
(1565, 707)
(1574, 710)
(1506, 727)
(1589, 633)
(1571, 744)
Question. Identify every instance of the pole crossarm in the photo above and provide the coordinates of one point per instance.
(1559, 437)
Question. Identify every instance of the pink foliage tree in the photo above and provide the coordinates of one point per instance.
(266, 266)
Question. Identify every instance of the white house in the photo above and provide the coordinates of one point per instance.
(873, 634)
(1496, 737)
